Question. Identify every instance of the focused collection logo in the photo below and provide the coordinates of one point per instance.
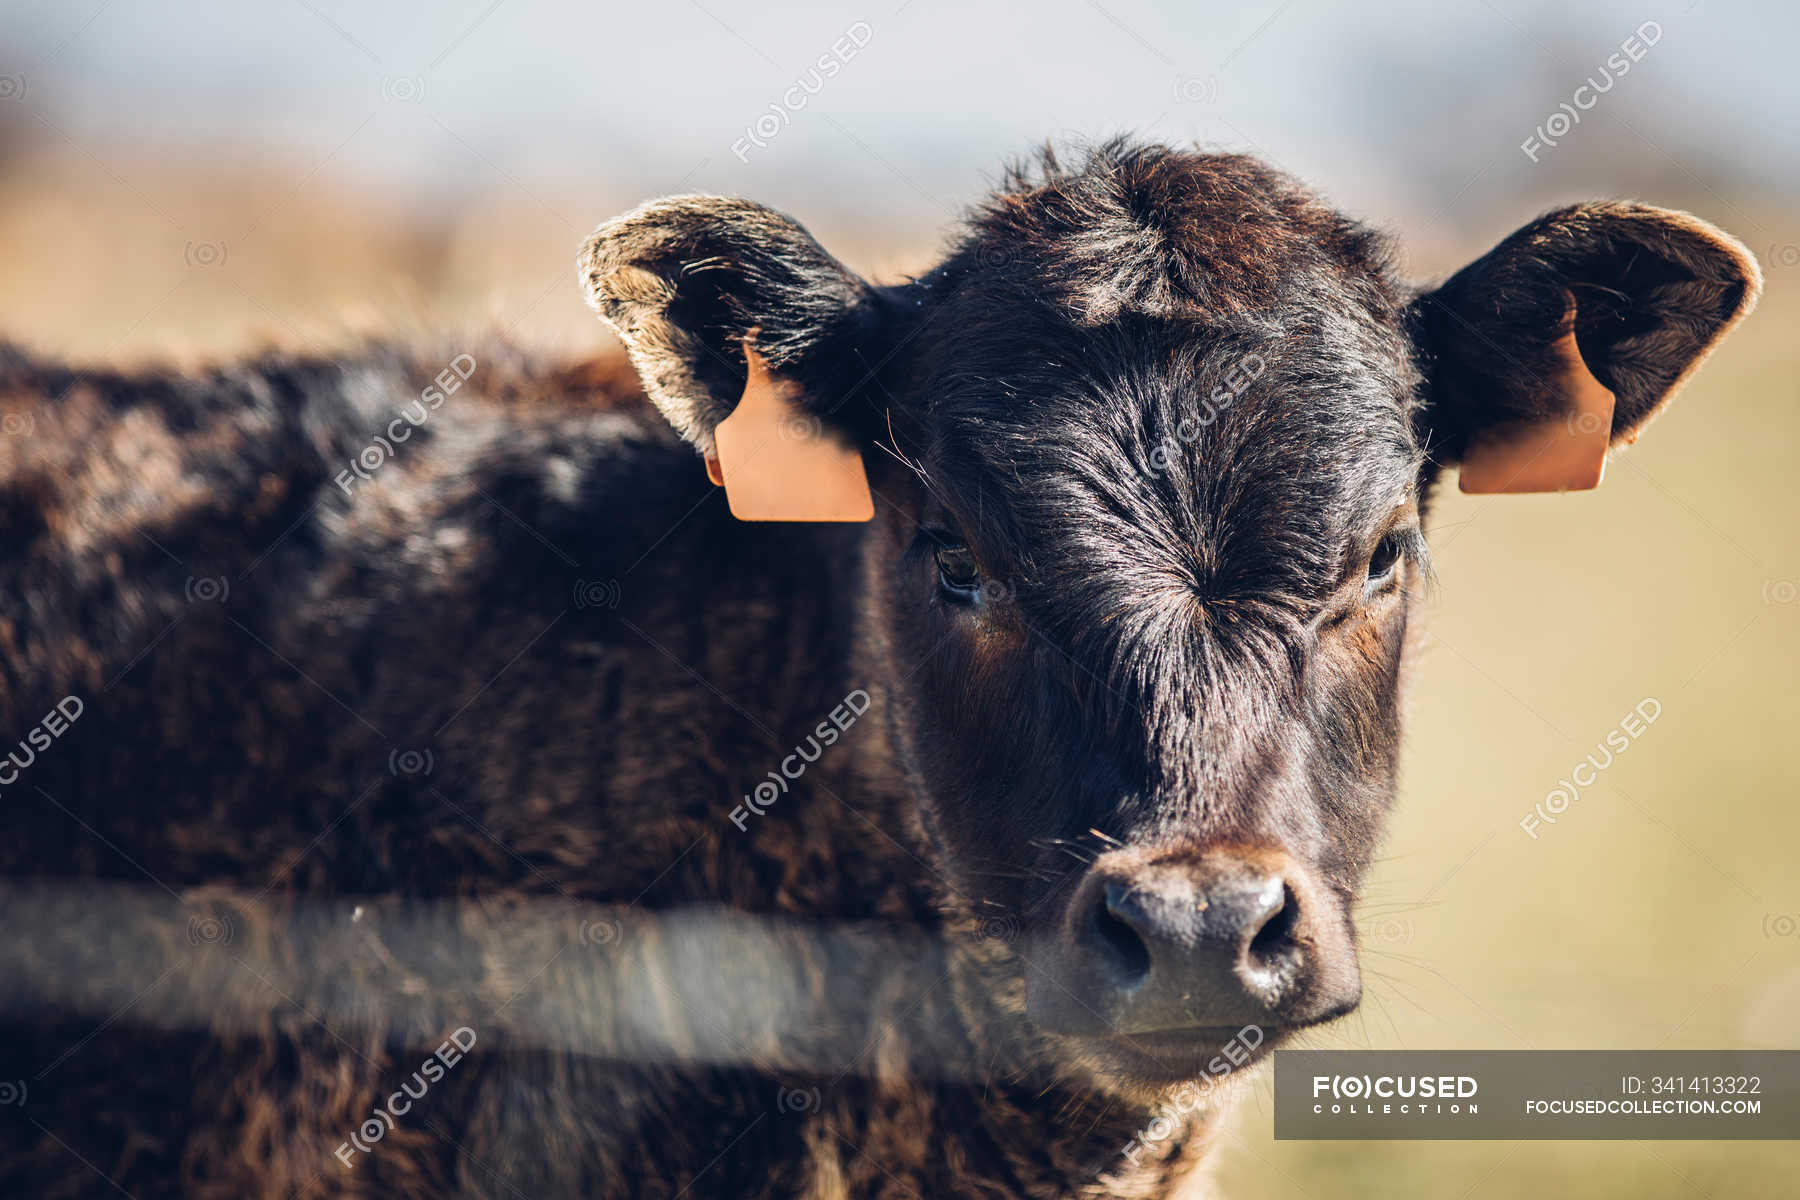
(1394, 1095)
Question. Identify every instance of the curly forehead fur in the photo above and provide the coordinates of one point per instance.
(1129, 227)
(1182, 365)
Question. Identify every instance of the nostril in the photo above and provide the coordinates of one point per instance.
(1273, 945)
(1113, 933)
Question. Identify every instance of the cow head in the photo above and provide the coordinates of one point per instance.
(1149, 452)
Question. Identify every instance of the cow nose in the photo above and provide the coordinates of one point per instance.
(1219, 939)
(1170, 934)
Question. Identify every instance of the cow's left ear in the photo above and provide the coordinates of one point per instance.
(1571, 334)
(686, 280)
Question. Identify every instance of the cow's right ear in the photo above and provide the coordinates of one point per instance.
(685, 280)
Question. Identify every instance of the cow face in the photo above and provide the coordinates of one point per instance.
(1149, 451)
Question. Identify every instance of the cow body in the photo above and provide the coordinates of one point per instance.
(940, 847)
(512, 599)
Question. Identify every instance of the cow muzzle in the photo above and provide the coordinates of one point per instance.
(1192, 943)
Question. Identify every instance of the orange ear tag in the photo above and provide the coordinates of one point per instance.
(778, 463)
(1563, 454)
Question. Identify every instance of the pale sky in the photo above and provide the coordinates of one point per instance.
(1412, 111)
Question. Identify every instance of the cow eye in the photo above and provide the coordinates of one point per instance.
(957, 573)
(1385, 561)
